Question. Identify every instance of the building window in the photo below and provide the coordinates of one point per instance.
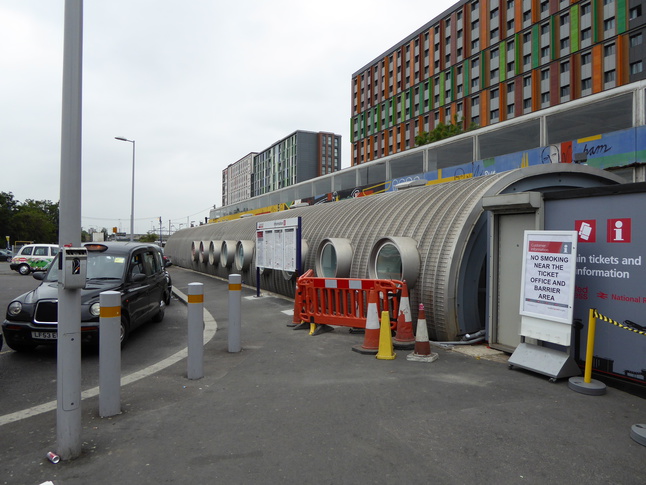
(527, 59)
(565, 43)
(586, 86)
(565, 91)
(527, 104)
(609, 50)
(609, 24)
(545, 74)
(565, 67)
(545, 99)
(636, 67)
(545, 51)
(510, 110)
(609, 77)
(635, 12)
(636, 39)
(586, 58)
(545, 6)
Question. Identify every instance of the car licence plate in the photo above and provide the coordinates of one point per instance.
(45, 335)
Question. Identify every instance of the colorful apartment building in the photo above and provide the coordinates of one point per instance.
(485, 61)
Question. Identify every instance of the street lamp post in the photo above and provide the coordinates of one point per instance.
(132, 199)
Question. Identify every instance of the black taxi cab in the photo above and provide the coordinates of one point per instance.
(136, 270)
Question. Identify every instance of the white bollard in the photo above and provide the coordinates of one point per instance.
(235, 299)
(110, 354)
(195, 361)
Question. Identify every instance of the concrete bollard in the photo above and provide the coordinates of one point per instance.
(235, 300)
(110, 354)
(195, 361)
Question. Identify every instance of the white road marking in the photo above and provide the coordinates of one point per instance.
(210, 328)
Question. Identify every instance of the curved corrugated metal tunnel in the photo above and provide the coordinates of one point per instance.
(445, 222)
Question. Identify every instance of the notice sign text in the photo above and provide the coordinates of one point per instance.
(549, 268)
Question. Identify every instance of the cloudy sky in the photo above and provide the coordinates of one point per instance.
(197, 84)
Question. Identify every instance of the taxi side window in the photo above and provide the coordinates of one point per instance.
(151, 263)
(137, 264)
(26, 251)
(40, 251)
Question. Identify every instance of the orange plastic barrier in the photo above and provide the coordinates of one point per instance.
(343, 301)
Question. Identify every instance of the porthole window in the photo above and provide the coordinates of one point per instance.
(244, 255)
(195, 250)
(204, 252)
(214, 252)
(395, 258)
(334, 258)
(227, 253)
(388, 264)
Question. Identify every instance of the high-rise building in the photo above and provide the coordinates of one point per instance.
(485, 61)
(237, 180)
(297, 157)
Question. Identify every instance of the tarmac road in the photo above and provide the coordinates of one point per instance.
(293, 408)
(29, 378)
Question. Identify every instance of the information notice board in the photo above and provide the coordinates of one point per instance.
(278, 244)
(549, 269)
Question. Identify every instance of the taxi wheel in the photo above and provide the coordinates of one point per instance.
(125, 330)
(24, 269)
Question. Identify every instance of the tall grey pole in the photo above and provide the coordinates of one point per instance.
(68, 383)
(132, 197)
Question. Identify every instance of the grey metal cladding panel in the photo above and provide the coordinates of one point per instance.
(307, 156)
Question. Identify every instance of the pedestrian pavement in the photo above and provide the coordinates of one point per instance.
(294, 408)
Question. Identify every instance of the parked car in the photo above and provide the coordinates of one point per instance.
(33, 257)
(5, 255)
(136, 270)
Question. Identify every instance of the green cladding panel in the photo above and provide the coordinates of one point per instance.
(575, 32)
(621, 16)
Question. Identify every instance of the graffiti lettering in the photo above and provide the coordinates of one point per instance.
(596, 149)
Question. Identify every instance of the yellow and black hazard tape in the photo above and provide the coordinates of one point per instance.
(599, 316)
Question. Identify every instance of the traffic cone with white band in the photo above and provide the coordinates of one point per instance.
(404, 338)
(370, 344)
(422, 352)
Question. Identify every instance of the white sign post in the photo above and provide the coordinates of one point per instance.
(547, 302)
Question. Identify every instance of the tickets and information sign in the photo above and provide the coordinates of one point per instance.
(549, 269)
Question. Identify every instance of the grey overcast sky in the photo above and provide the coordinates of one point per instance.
(197, 84)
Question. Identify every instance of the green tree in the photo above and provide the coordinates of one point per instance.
(8, 208)
(149, 237)
(33, 220)
(442, 131)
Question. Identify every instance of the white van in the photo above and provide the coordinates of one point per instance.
(33, 257)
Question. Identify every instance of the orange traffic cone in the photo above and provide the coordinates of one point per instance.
(404, 338)
(386, 351)
(371, 337)
(422, 352)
